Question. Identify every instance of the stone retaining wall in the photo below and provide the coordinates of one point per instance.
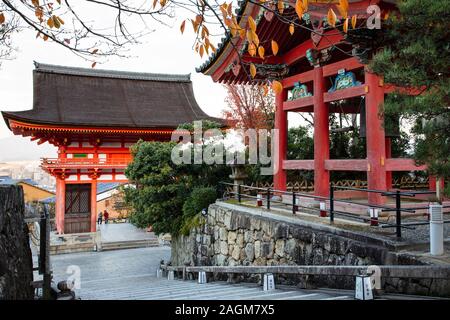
(235, 235)
(16, 269)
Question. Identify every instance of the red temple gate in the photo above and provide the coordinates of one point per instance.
(318, 76)
(93, 117)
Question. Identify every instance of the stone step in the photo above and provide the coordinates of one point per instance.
(117, 245)
(79, 247)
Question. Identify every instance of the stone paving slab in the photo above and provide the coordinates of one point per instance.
(131, 275)
(114, 232)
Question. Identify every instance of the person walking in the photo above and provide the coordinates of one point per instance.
(106, 216)
(100, 218)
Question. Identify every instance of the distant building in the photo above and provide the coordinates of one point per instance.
(31, 191)
(110, 198)
(93, 116)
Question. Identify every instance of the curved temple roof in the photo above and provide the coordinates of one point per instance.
(245, 8)
(69, 96)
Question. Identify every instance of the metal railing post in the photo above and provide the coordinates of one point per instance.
(331, 203)
(239, 192)
(268, 198)
(294, 205)
(398, 220)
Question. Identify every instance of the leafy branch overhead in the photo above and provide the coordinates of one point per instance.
(247, 34)
(66, 23)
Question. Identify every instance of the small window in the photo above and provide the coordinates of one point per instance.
(80, 155)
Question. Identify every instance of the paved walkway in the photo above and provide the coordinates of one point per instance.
(113, 232)
(131, 274)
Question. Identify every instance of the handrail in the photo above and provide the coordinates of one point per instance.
(397, 194)
(389, 271)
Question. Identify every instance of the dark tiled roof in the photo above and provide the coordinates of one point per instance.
(103, 98)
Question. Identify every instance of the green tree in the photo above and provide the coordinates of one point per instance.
(163, 187)
(417, 55)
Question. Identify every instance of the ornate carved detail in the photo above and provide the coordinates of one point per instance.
(94, 173)
(299, 91)
(344, 79)
(272, 71)
(317, 58)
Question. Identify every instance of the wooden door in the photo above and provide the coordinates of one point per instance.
(78, 208)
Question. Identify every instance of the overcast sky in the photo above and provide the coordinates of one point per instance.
(165, 50)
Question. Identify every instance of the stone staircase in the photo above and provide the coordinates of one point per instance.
(130, 244)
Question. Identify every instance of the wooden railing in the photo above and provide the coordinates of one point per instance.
(84, 162)
(307, 186)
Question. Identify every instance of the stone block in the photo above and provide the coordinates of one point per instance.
(257, 247)
(240, 240)
(281, 231)
(248, 236)
(279, 247)
(255, 224)
(223, 247)
(290, 247)
(223, 234)
(221, 260)
(232, 237)
(235, 253)
(250, 251)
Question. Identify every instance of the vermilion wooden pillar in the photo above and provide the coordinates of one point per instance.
(94, 205)
(388, 143)
(60, 204)
(279, 179)
(375, 138)
(321, 136)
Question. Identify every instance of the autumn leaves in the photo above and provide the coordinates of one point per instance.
(247, 31)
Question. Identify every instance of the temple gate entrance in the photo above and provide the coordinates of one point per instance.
(78, 208)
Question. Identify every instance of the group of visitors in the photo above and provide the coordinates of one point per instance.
(102, 216)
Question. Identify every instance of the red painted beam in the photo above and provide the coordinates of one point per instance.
(298, 164)
(328, 70)
(302, 77)
(299, 52)
(347, 64)
(403, 164)
(299, 104)
(346, 165)
(345, 93)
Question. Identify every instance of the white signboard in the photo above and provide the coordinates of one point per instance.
(202, 277)
(269, 282)
(363, 288)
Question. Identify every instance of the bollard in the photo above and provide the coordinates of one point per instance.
(363, 288)
(294, 203)
(269, 282)
(436, 230)
(374, 213)
(202, 277)
(323, 209)
(259, 201)
(158, 273)
(171, 275)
